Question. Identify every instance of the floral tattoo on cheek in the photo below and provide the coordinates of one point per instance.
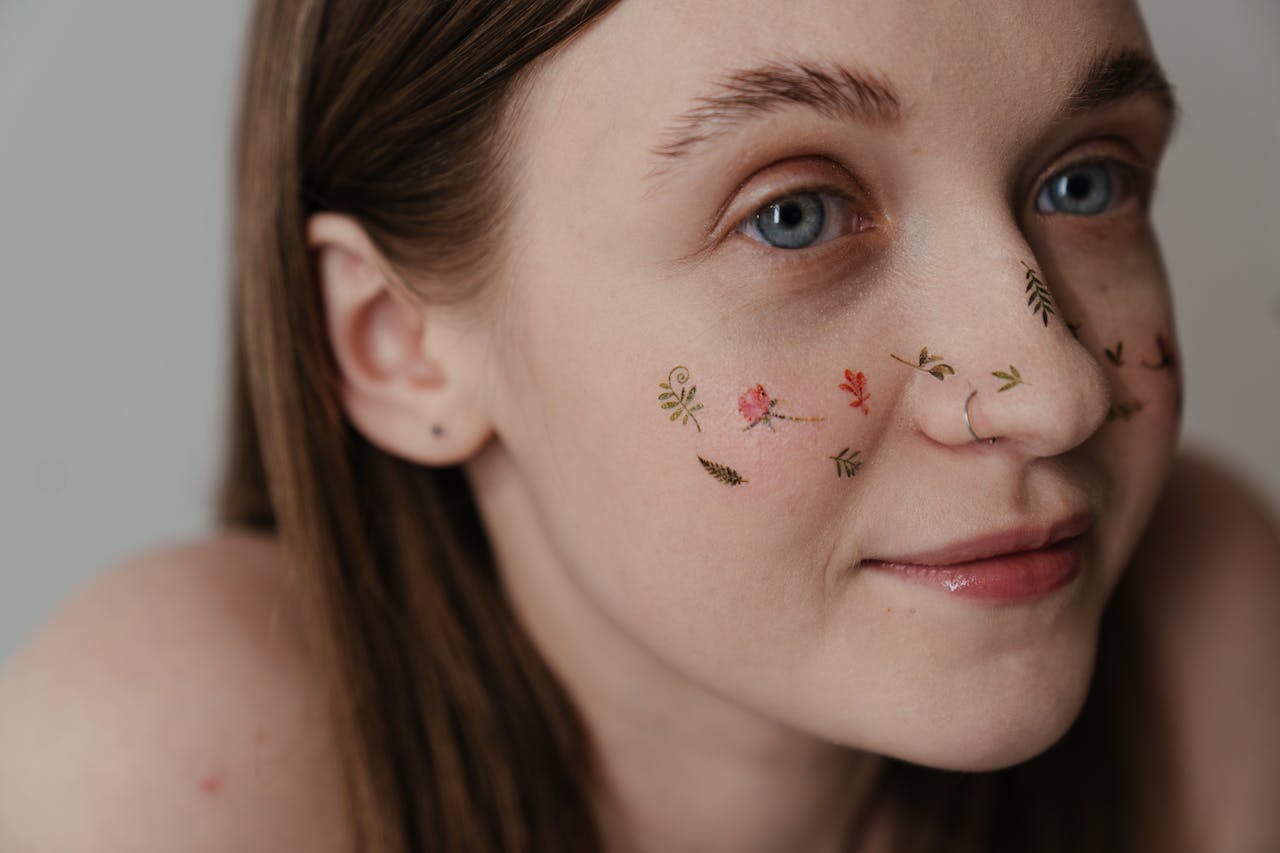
(758, 407)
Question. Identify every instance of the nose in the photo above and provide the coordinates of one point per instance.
(1013, 369)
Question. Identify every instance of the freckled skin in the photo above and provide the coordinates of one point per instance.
(631, 565)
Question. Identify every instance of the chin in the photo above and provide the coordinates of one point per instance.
(999, 725)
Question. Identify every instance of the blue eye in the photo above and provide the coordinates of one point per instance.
(1086, 189)
(802, 219)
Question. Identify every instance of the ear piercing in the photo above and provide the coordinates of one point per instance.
(969, 425)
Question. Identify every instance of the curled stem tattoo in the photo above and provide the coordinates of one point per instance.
(679, 399)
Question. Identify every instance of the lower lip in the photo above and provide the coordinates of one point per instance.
(1006, 579)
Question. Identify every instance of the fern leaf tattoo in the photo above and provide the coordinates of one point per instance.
(1038, 295)
(723, 473)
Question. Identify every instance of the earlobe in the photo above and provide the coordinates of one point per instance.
(405, 371)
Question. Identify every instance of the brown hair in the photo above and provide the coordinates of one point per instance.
(454, 734)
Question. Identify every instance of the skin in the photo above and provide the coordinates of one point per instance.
(740, 672)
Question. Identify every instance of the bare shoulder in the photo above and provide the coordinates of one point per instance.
(1209, 577)
(170, 704)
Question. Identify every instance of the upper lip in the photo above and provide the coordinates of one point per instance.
(1010, 541)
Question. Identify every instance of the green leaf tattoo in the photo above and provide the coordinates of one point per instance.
(927, 363)
(679, 399)
(1038, 295)
(1012, 379)
(1116, 356)
(1125, 411)
(847, 464)
(723, 473)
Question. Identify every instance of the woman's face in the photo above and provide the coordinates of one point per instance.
(737, 230)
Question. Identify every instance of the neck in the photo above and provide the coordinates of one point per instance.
(680, 768)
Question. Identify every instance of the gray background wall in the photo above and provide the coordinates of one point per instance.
(114, 126)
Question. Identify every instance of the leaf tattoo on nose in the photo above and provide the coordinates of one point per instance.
(1038, 295)
(1125, 411)
(677, 398)
(1012, 378)
(1116, 356)
(939, 369)
(856, 384)
(1166, 361)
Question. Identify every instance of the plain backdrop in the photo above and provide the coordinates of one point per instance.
(115, 121)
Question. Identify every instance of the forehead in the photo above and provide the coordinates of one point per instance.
(613, 91)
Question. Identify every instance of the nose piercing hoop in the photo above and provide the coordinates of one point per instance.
(968, 425)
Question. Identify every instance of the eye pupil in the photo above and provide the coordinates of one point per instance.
(789, 214)
(1079, 186)
(794, 222)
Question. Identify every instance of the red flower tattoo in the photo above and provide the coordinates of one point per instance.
(758, 407)
(856, 384)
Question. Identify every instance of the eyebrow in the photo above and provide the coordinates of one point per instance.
(1117, 76)
(831, 89)
(837, 91)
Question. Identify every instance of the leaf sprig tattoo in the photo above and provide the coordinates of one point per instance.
(677, 398)
(847, 464)
(939, 370)
(1012, 378)
(1125, 411)
(1116, 356)
(1038, 295)
(723, 473)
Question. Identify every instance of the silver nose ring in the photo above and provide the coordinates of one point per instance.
(969, 425)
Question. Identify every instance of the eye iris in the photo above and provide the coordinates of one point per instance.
(793, 222)
(1083, 190)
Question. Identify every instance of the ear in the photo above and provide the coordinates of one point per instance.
(408, 381)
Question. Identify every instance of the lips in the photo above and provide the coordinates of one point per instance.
(1009, 566)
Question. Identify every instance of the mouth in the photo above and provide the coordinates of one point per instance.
(1010, 566)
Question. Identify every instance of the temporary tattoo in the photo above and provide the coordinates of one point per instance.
(856, 384)
(1125, 411)
(847, 464)
(1167, 361)
(1012, 378)
(938, 371)
(723, 473)
(675, 397)
(1116, 356)
(757, 407)
(1038, 296)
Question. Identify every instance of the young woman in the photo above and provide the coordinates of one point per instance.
(667, 426)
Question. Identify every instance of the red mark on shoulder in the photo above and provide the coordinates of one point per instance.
(856, 384)
(211, 783)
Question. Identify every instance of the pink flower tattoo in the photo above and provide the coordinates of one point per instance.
(856, 384)
(757, 407)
